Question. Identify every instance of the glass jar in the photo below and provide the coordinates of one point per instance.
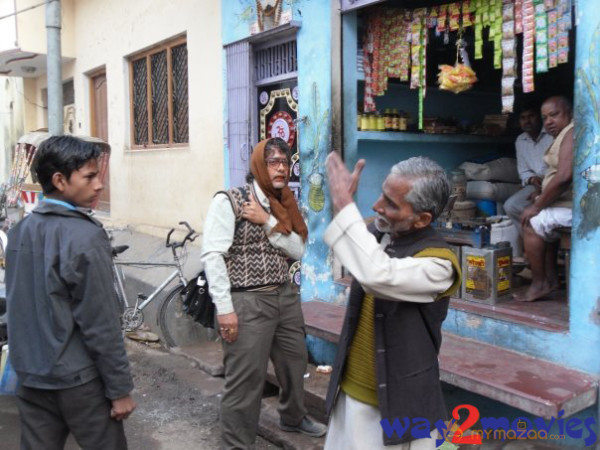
(372, 121)
(403, 121)
(380, 123)
(364, 122)
(458, 179)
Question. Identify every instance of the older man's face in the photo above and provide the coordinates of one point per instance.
(394, 214)
(555, 116)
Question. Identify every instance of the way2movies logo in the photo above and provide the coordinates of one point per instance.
(497, 428)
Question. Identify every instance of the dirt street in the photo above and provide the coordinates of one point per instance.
(177, 406)
(177, 403)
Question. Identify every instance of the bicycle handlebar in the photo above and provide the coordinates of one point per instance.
(190, 236)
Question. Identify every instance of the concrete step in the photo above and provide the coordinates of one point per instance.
(268, 428)
(208, 356)
(539, 387)
(315, 390)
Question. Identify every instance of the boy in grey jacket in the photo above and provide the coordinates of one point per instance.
(65, 339)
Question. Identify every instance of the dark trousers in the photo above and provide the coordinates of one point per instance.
(271, 325)
(47, 417)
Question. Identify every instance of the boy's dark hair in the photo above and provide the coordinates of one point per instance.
(270, 146)
(63, 154)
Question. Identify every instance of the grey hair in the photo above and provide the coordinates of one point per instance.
(430, 186)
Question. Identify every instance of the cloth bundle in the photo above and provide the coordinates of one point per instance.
(495, 180)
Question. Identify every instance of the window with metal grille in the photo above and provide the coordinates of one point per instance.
(276, 62)
(159, 96)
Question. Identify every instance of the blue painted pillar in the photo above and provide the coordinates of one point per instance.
(584, 295)
(314, 131)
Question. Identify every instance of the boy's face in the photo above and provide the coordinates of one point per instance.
(83, 186)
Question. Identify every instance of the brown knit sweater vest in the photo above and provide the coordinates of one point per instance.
(252, 260)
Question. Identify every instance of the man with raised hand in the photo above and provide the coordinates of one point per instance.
(386, 366)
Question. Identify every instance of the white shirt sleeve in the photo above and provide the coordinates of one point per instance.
(523, 167)
(219, 227)
(408, 279)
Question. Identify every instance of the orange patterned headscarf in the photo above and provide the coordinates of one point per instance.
(282, 201)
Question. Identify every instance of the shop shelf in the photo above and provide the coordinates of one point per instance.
(394, 136)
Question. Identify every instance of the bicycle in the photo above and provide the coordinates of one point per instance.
(176, 326)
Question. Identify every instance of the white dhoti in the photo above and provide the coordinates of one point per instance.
(356, 426)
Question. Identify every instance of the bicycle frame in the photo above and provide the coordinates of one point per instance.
(133, 316)
(177, 273)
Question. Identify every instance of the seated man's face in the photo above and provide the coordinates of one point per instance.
(530, 121)
(394, 214)
(555, 117)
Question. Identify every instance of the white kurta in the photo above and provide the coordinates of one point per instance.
(355, 425)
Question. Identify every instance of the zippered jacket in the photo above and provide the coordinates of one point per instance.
(63, 313)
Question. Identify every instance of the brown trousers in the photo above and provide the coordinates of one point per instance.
(47, 417)
(271, 325)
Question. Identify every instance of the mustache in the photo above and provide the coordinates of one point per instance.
(382, 219)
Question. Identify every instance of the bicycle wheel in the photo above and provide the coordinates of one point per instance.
(177, 327)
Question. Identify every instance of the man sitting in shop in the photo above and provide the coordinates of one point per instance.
(553, 207)
(530, 146)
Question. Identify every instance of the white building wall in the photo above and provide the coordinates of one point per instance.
(12, 117)
(156, 187)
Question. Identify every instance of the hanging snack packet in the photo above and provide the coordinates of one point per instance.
(457, 78)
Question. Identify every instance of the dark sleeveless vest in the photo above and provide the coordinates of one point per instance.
(251, 260)
(408, 337)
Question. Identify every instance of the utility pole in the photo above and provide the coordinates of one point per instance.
(54, 74)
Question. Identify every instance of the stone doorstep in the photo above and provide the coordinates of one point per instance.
(315, 390)
(269, 429)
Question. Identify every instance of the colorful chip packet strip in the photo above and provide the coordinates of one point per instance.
(509, 57)
(395, 41)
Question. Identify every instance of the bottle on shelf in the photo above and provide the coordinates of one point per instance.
(372, 122)
(403, 121)
(388, 119)
(380, 122)
(395, 120)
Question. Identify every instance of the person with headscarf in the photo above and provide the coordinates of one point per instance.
(249, 233)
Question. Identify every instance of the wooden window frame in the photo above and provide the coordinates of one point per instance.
(167, 46)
